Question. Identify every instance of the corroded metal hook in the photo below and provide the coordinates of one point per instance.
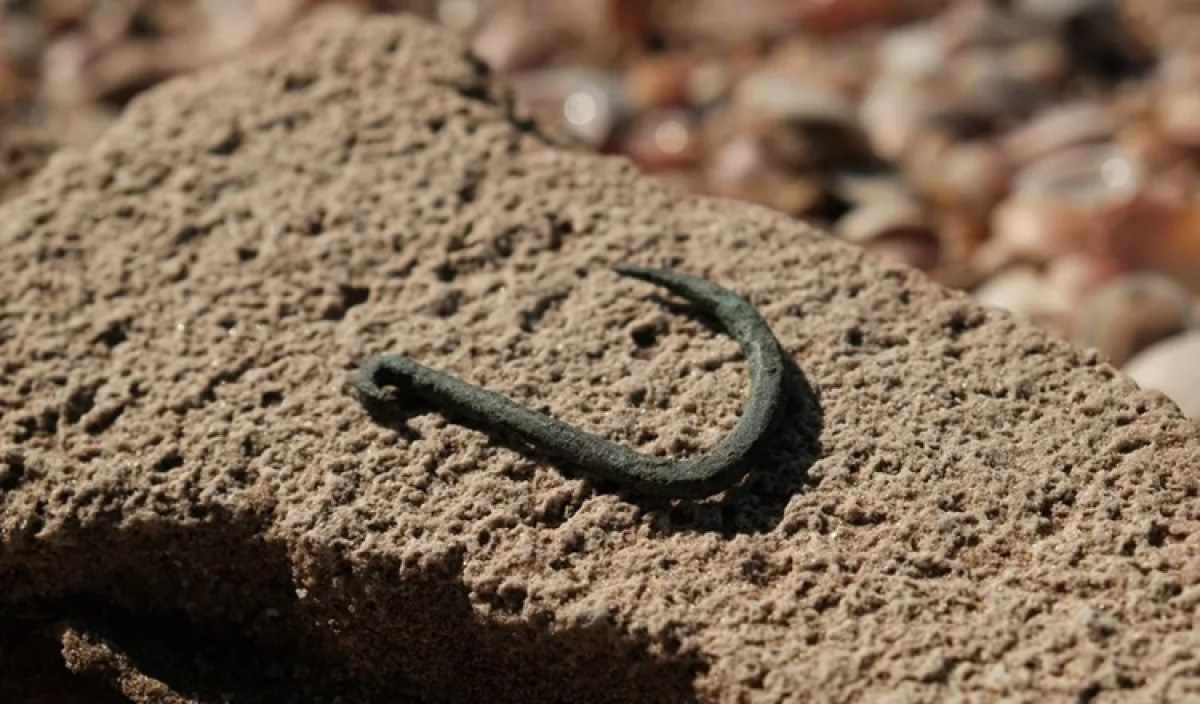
(385, 379)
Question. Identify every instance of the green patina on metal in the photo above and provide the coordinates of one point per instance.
(387, 379)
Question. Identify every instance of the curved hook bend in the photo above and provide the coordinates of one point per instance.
(385, 378)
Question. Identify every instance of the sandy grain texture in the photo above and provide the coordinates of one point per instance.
(955, 507)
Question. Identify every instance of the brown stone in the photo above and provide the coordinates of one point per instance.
(955, 507)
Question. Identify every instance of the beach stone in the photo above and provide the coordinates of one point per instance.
(955, 506)
(1170, 367)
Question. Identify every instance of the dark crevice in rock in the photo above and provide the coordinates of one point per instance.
(442, 642)
(12, 471)
(113, 334)
(150, 595)
(31, 669)
(225, 618)
(168, 655)
(169, 461)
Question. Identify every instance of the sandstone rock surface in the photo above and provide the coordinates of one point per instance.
(956, 508)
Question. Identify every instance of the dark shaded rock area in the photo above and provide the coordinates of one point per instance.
(191, 507)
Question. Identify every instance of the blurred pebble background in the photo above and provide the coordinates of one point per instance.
(1043, 154)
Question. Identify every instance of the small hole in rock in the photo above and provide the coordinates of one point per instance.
(645, 336)
(12, 471)
(169, 461)
(297, 82)
(187, 233)
(1157, 535)
(477, 91)
(112, 335)
(354, 295)
(315, 224)
(448, 304)
(228, 143)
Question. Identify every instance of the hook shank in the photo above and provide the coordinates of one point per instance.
(384, 379)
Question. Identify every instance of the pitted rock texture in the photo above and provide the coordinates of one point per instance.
(22, 154)
(956, 506)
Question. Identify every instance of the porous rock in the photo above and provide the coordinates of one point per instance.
(955, 506)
